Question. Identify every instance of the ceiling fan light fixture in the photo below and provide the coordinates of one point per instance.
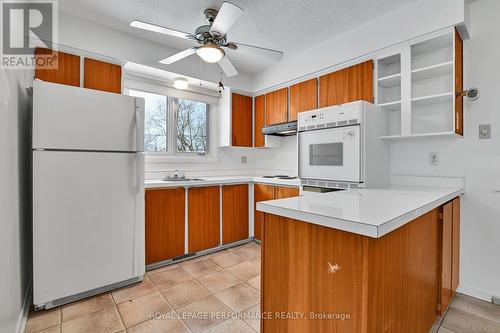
(210, 53)
(181, 83)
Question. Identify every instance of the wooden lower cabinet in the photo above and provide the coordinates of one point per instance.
(450, 252)
(203, 218)
(164, 227)
(362, 284)
(234, 213)
(263, 192)
(283, 192)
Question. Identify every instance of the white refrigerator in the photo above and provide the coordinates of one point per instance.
(88, 192)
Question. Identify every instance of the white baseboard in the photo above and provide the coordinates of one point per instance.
(474, 292)
(23, 316)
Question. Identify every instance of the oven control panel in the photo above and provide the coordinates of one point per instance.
(332, 116)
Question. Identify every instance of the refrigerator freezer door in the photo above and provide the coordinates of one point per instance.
(73, 118)
(88, 221)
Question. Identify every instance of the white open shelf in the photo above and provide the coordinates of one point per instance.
(433, 71)
(390, 80)
(432, 99)
(421, 135)
(416, 87)
(391, 106)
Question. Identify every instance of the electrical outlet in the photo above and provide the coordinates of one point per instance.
(243, 160)
(433, 158)
(485, 131)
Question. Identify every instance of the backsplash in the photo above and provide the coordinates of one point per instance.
(281, 160)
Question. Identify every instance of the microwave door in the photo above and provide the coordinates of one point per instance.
(331, 154)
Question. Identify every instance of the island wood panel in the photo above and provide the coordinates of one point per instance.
(261, 192)
(347, 85)
(259, 118)
(203, 218)
(234, 213)
(303, 97)
(283, 192)
(387, 285)
(241, 108)
(403, 277)
(164, 224)
(67, 71)
(459, 70)
(455, 266)
(446, 256)
(277, 107)
(100, 75)
(296, 258)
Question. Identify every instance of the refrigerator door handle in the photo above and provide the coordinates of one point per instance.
(140, 172)
(139, 123)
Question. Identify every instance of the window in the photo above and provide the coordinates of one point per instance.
(155, 120)
(191, 126)
(174, 125)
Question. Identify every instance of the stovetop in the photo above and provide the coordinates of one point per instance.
(280, 177)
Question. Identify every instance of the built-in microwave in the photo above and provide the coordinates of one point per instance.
(339, 147)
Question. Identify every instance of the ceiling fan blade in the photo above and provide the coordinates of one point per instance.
(178, 56)
(160, 29)
(227, 67)
(262, 52)
(228, 14)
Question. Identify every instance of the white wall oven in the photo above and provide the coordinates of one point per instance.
(334, 144)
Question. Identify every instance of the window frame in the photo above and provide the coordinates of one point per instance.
(172, 154)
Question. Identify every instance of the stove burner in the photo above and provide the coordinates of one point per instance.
(284, 177)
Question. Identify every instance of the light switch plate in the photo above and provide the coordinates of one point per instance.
(485, 131)
(243, 160)
(434, 158)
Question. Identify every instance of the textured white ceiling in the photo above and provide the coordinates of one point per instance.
(286, 25)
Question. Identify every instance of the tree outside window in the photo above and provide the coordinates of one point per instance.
(191, 126)
(184, 121)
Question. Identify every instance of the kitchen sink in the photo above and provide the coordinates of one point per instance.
(182, 179)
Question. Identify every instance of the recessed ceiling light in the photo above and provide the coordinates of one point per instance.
(181, 83)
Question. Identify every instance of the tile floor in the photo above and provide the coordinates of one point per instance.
(223, 283)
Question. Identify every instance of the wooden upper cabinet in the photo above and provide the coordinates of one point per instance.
(459, 87)
(303, 97)
(261, 192)
(234, 213)
(203, 218)
(103, 76)
(283, 192)
(164, 224)
(360, 82)
(260, 105)
(347, 85)
(277, 107)
(68, 68)
(241, 120)
(446, 256)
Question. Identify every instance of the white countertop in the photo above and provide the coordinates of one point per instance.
(368, 212)
(220, 181)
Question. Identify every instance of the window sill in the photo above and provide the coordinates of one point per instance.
(187, 158)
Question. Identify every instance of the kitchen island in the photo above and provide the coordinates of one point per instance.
(360, 261)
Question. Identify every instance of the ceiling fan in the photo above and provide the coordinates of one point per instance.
(212, 37)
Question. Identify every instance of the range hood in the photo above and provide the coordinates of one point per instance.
(283, 129)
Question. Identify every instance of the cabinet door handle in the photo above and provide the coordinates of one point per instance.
(333, 268)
